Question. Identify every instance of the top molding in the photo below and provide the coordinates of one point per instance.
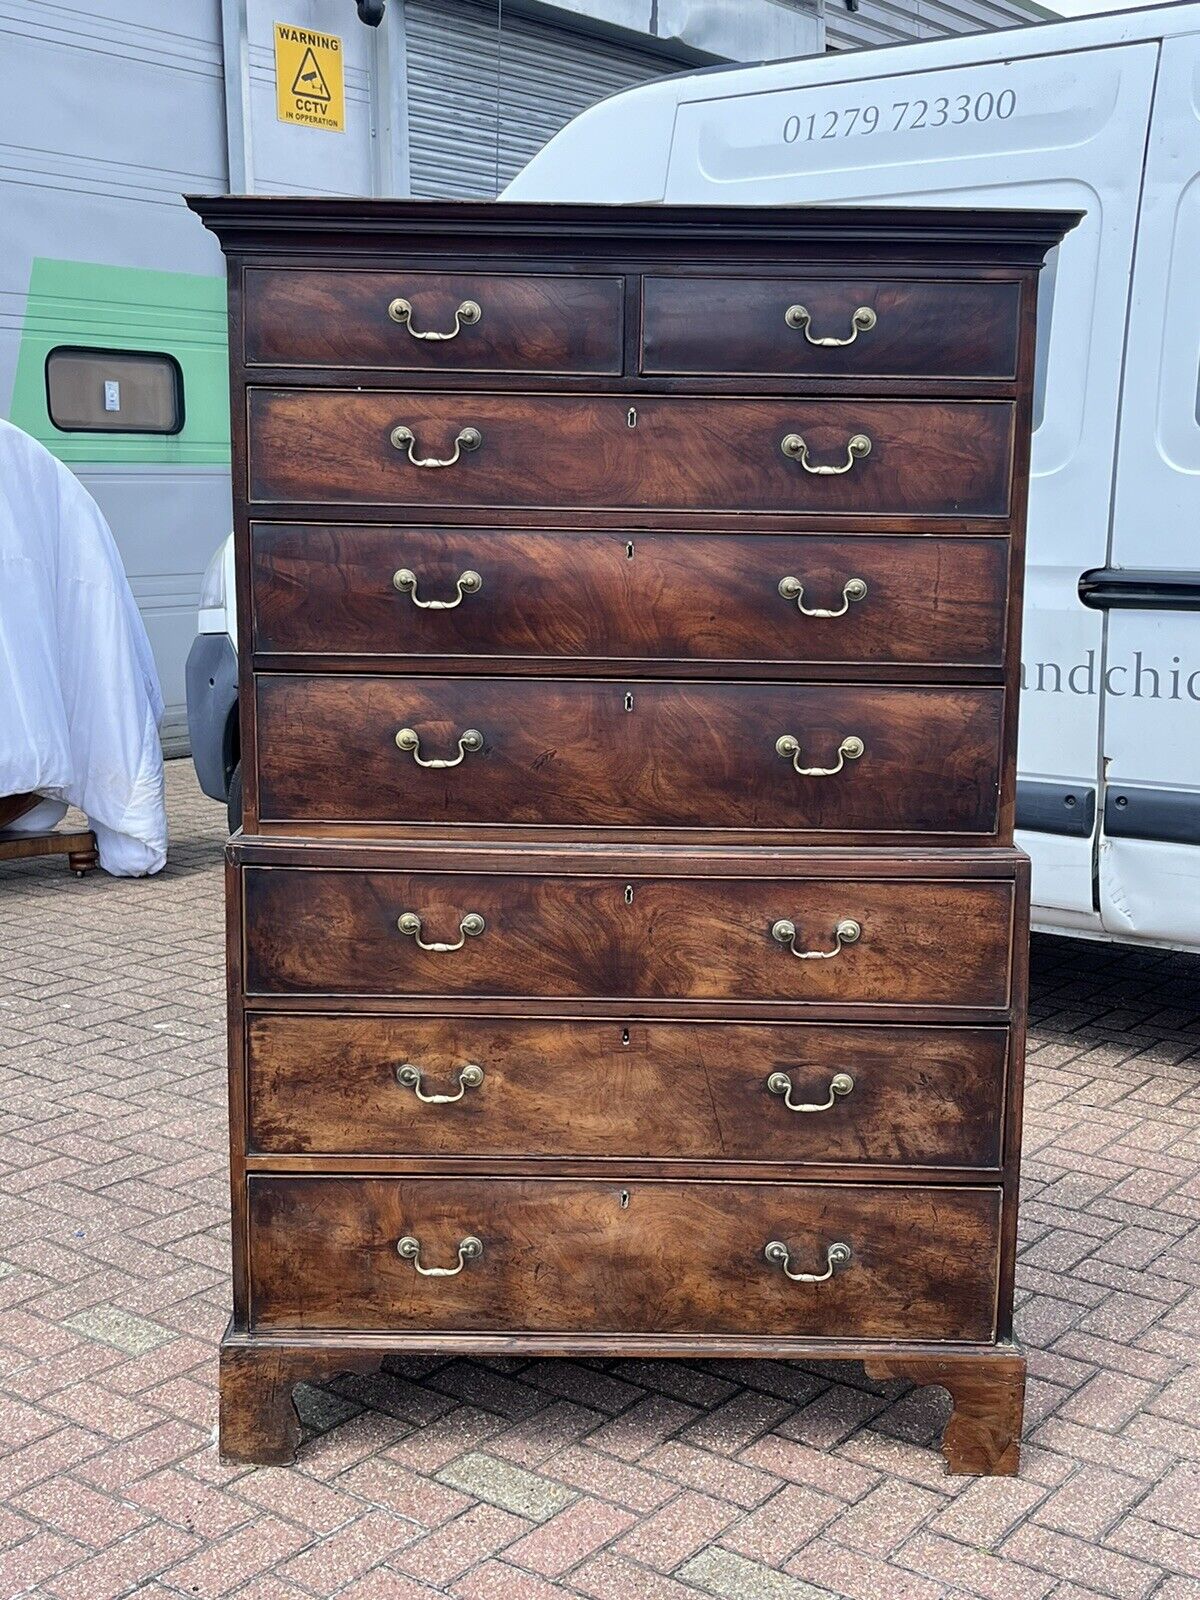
(264, 225)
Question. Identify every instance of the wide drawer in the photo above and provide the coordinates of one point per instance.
(830, 327)
(902, 941)
(515, 594)
(433, 321)
(827, 758)
(831, 1093)
(545, 1255)
(337, 447)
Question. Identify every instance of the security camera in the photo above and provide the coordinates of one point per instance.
(371, 12)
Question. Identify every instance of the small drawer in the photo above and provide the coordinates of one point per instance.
(831, 1094)
(433, 321)
(550, 1255)
(895, 941)
(834, 759)
(830, 327)
(895, 458)
(490, 594)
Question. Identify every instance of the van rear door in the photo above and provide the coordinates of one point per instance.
(1060, 130)
(1149, 864)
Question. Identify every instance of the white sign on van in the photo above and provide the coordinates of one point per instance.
(992, 109)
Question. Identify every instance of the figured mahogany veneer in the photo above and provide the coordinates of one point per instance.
(325, 1084)
(644, 600)
(637, 756)
(922, 329)
(543, 323)
(664, 1257)
(928, 458)
(569, 1013)
(923, 943)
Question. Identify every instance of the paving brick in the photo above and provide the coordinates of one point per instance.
(496, 1580)
(535, 1438)
(348, 1552)
(458, 1545)
(644, 1425)
(583, 1528)
(885, 1517)
(602, 1475)
(792, 1517)
(676, 1531)
(1091, 1500)
(385, 1483)
(832, 1416)
(111, 1325)
(123, 1566)
(730, 1427)
(711, 1474)
(611, 1577)
(78, 1512)
(974, 1569)
(503, 1484)
(445, 1439)
(1169, 1548)
(800, 1464)
(733, 1577)
(1082, 1562)
(113, 1294)
(1175, 1502)
(853, 1575)
(1108, 1400)
(43, 1555)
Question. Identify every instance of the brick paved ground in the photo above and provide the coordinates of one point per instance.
(537, 1480)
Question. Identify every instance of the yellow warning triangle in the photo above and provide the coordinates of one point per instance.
(310, 80)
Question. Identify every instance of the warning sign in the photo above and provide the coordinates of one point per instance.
(309, 84)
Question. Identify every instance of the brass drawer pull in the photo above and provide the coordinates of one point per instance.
(793, 589)
(862, 321)
(466, 583)
(470, 739)
(468, 313)
(794, 447)
(788, 746)
(409, 1077)
(778, 1254)
(471, 926)
(779, 1083)
(847, 932)
(467, 439)
(469, 1249)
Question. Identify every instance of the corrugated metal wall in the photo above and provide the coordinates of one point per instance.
(547, 75)
(903, 21)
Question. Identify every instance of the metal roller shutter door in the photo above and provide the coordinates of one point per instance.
(547, 76)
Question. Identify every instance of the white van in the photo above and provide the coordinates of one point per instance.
(1102, 115)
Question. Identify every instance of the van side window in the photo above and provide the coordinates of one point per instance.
(113, 391)
(1045, 308)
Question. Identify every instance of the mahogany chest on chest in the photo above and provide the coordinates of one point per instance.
(627, 950)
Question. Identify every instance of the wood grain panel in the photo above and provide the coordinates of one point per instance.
(331, 446)
(585, 753)
(632, 596)
(951, 329)
(528, 323)
(327, 1085)
(652, 1256)
(923, 943)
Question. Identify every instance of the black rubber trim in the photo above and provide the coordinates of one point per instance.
(1127, 589)
(1172, 816)
(1056, 808)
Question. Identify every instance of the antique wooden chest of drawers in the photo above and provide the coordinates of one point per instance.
(627, 950)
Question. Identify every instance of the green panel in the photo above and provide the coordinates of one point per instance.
(128, 308)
